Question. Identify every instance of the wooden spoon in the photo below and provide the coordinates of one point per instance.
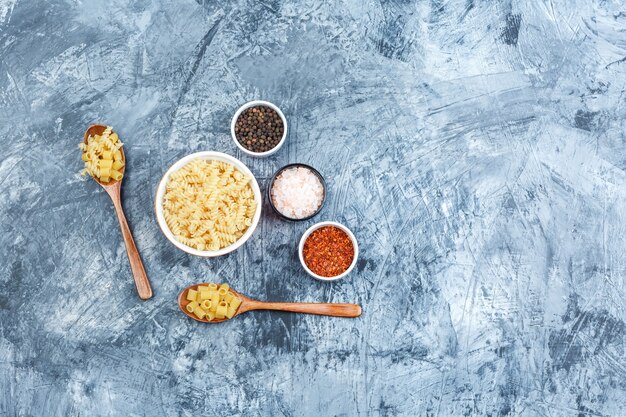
(248, 304)
(113, 188)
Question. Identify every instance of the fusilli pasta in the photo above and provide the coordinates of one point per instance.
(102, 156)
(208, 204)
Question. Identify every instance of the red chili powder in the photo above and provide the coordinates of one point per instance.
(328, 251)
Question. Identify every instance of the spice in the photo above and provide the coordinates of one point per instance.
(297, 192)
(328, 251)
(259, 129)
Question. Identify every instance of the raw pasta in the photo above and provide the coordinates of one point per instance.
(191, 295)
(217, 306)
(221, 310)
(102, 156)
(208, 204)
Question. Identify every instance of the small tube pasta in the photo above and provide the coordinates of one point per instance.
(235, 303)
(192, 306)
(228, 297)
(104, 178)
(191, 295)
(107, 155)
(200, 313)
(215, 298)
(221, 310)
(116, 175)
(106, 163)
(117, 165)
(105, 172)
(212, 301)
(117, 155)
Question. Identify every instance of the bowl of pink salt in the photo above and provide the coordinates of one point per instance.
(297, 192)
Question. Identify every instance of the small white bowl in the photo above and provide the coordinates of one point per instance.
(254, 104)
(314, 228)
(158, 202)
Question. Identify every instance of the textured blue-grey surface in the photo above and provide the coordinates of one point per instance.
(476, 148)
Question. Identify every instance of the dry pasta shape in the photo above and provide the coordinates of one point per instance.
(211, 302)
(208, 204)
(102, 156)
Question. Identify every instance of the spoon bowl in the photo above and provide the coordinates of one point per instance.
(248, 304)
(182, 303)
(98, 129)
(114, 190)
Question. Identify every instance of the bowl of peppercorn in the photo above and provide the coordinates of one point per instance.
(259, 128)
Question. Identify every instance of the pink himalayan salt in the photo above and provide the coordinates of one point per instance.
(297, 192)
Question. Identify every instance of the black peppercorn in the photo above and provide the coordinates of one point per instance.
(259, 129)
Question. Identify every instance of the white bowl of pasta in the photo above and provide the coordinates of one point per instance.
(208, 204)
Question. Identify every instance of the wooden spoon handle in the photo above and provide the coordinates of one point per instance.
(324, 309)
(139, 273)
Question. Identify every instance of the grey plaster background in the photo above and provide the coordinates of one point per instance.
(476, 148)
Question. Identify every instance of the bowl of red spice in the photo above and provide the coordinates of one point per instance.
(328, 251)
(259, 128)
